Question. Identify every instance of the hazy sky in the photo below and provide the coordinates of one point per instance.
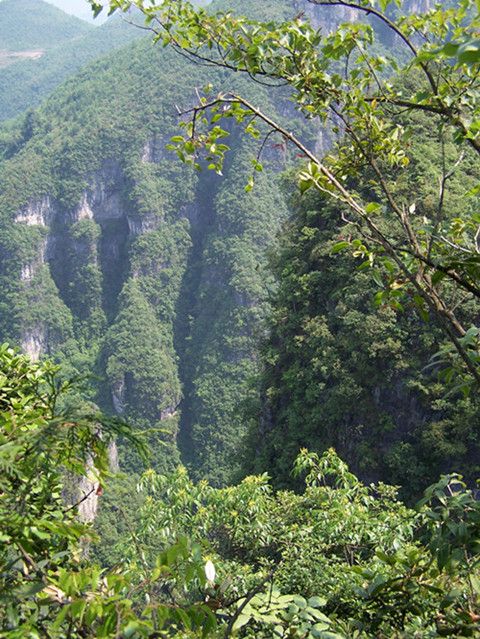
(79, 8)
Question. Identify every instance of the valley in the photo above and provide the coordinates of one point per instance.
(238, 320)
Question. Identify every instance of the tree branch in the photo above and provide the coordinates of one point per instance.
(248, 598)
(391, 25)
(447, 319)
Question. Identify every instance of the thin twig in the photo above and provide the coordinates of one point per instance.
(248, 598)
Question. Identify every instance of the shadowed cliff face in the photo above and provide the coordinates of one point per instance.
(171, 301)
(92, 235)
(123, 264)
(93, 255)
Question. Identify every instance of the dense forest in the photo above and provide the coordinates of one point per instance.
(344, 370)
(239, 272)
(64, 51)
(26, 24)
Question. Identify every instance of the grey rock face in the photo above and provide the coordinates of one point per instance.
(34, 342)
(37, 213)
(90, 491)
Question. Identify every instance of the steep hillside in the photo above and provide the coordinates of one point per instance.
(120, 262)
(340, 371)
(24, 85)
(117, 260)
(34, 24)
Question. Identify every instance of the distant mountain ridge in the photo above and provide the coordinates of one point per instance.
(79, 8)
(25, 84)
(34, 24)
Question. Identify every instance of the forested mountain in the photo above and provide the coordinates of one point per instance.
(345, 372)
(119, 262)
(24, 85)
(35, 24)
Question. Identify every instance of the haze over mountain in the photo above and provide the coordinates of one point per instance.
(35, 24)
(25, 84)
(82, 10)
(79, 8)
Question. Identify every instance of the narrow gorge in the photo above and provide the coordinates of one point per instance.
(153, 281)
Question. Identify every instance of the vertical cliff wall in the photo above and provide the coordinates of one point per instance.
(134, 270)
(128, 267)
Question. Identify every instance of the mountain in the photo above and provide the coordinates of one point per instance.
(79, 8)
(154, 280)
(118, 261)
(82, 10)
(27, 25)
(24, 85)
(340, 372)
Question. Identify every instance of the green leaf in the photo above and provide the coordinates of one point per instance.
(373, 207)
(29, 590)
(469, 53)
(241, 621)
(339, 246)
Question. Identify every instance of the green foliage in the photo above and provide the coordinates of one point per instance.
(47, 588)
(340, 370)
(39, 444)
(39, 306)
(219, 357)
(340, 559)
(34, 24)
(25, 84)
(140, 366)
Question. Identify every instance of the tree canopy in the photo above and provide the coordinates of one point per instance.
(337, 560)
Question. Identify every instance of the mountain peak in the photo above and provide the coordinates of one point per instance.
(79, 8)
(36, 25)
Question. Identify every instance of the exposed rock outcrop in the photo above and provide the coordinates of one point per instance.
(34, 342)
(154, 150)
(38, 212)
(90, 491)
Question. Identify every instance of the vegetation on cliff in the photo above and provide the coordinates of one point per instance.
(155, 279)
(109, 229)
(403, 177)
(34, 24)
(344, 364)
(117, 260)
